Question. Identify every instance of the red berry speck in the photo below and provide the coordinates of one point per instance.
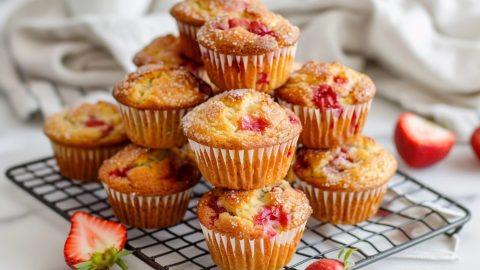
(293, 119)
(263, 78)
(253, 124)
(271, 217)
(325, 98)
(94, 122)
(340, 79)
(213, 204)
(120, 172)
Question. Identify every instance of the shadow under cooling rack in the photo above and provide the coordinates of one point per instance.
(411, 213)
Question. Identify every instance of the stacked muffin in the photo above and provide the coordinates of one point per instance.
(241, 140)
(343, 173)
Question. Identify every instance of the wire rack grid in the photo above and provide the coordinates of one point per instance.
(411, 213)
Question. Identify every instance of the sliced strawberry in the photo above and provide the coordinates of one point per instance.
(259, 28)
(475, 142)
(253, 124)
(255, 27)
(333, 264)
(421, 143)
(95, 243)
(326, 264)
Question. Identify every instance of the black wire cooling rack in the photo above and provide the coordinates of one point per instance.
(411, 213)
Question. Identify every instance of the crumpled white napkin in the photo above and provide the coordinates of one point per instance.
(422, 54)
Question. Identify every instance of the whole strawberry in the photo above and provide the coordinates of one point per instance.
(475, 142)
(334, 264)
(421, 143)
(94, 243)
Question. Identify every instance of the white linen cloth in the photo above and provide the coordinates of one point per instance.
(423, 54)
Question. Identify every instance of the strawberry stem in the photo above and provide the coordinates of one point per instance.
(104, 260)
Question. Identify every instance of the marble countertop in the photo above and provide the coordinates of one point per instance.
(32, 236)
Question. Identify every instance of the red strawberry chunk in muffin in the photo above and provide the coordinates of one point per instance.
(340, 79)
(270, 217)
(341, 161)
(255, 27)
(120, 172)
(253, 123)
(94, 122)
(325, 98)
(213, 204)
(263, 78)
(293, 119)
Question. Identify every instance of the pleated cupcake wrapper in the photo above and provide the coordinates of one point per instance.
(233, 253)
(244, 169)
(149, 212)
(154, 128)
(234, 71)
(326, 129)
(343, 207)
(188, 39)
(82, 163)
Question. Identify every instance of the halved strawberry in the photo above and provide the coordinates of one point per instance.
(475, 142)
(421, 143)
(94, 243)
(333, 264)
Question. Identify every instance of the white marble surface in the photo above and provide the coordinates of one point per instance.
(32, 236)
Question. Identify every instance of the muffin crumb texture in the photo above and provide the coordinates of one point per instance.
(326, 86)
(352, 167)
(149, 172)
(87, 125)
(240, 119)
(157, 87)
(256, 213)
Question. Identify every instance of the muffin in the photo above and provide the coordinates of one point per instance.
(345, 184)
(83, 137)
(152, 101)
(192, 14)
(253, 49)
(331, 100)
(166, 51)
(149, 188)
(242, 139)
(253, 229)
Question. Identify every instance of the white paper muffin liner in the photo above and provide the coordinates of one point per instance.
(149, 212)
(244, 169)
(233, 253)
(188, 39)
(326, 129)
(343, 207)
(235, 72)
(153, 128)
(82, 163)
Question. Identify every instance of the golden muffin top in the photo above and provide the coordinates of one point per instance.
(156, 87)
(352, 167)
(87, 125)
(326, 86)
(164, 50)
(149, 172)
(252, 32)
(241, 119)
(258, 213)
(197, 12)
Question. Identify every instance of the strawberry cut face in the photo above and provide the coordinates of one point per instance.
(90, 235)
(253, 124)
(421, 143)
(326, 264)
(271, 217)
